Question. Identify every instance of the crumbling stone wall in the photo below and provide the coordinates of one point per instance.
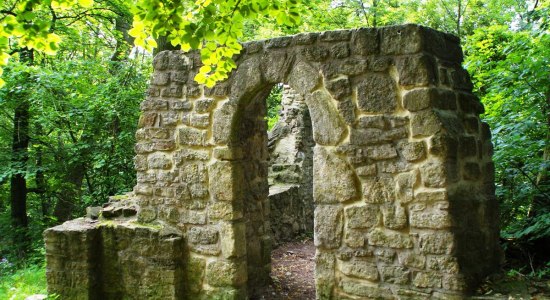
(290, 173)
(402, 172)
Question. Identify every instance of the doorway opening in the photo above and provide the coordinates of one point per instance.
(290, 177)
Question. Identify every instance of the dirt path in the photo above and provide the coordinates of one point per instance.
(292, 267)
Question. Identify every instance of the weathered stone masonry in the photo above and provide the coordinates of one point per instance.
(402, 177)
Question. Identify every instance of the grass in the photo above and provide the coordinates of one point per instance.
(23, 283)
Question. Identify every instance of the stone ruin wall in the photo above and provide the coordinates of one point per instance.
(290, 173)
(402, 177)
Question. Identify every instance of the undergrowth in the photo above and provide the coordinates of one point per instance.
(24, 282)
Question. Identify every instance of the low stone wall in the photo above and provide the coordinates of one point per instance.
(115, 259)
(402, 175)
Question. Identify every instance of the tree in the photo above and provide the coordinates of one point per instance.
(461, 17)
(510, 70)
(29, 26)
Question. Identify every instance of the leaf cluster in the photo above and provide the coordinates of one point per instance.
(212, 26)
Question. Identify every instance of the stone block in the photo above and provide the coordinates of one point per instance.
(436, 243)
(222, 123)
(246, 78)
(204, 105)
(192, 137)
(389, 238)
(467, 146)
(369, 136)
(276, 65)
(333, 180)
(380, 152)
(172, 91)
(199, 121)
(431, 217)
(425, 123)
(364, 41)
(401, 39)
(380, 64)
(278, 42)
(412, 151)
(354, 238)
(377, 94)
(305, 38)
(394, 274)
(153, 105)
(161, 61)
(202, 235)
(444, 145)
(394, 216)
(315, 53)
(221, 273)
(384, 255)
(225, 180)
(180, 76)
(227, 211)
(378, 122)
(434, 174)
(445, 264)
(328, 128)
(471, 171)
(186, 155)
(365, 216)
(412, 260)
(360, 269)
(379, 190)
(147, 119)
(366, 171)
(417, 70)
(349, 67)
(339, 88)
(194, 271)
(347, 109)
(253, 47)
(324, 273)
(163, 145)
(423, 98)
(328, 226)
(159, 161)
(427, 280)
(304, 78)
(360, 289)
(454, 282)
(341, 50)
(233, 236)
(335, 36)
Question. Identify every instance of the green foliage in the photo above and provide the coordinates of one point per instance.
(213, 26)
(84, 113)
(274, 105)
(510, 72)
(29, 24)
(24, 282)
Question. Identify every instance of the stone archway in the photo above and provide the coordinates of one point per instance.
(403, 178)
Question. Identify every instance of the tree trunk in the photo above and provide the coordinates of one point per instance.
(20, 156)
(70, 192)
(164, 44)
(541, 201)
(124, 41)
(20, 144)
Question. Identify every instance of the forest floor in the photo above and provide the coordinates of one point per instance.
(293, 265)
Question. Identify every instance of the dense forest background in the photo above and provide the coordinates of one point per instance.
(68, 114)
